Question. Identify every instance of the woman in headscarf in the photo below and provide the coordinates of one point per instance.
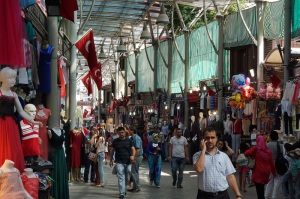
(264, 165)
(154, 160)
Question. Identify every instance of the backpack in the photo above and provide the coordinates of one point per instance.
(281, 164)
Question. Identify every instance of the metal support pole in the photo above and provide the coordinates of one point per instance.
(99, 106)
(155, 47)
(220, 19)
(116, 94)
(126, 92)
(170, 59)
(136, 74)
(260, 41)
(72, 34)
(53, 97)
(186, 76)
(287, 38)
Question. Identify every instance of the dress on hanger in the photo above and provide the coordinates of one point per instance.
(10, 186)
(76, 138)
(59, 174)
(10, 142)
(44, 70)
(11, 36)
(42, 115)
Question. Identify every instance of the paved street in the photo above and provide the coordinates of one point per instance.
(167, 191)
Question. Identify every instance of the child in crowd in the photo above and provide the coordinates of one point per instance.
(242, 162)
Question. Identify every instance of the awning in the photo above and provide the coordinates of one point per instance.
(274, 59)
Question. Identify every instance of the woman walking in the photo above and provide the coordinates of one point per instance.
(101, 143)
(154, 160)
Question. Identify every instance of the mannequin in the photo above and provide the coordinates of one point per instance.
(202, 121)
(79, 116)
(76, 138)
(42, 115)
(57, 157)
(30, 182)
(10, 143)
(228, 125)
(210, 118)
(30, 137)
(9, 175)
(164, 128)
(218, 125)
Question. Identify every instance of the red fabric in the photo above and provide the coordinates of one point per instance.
(67, 8)
(237, 127)
(76, 142)
(85, 131)
(125, 101)
(31, 185)
(86, 80)
(61, 79)
(85, 112)
(274, 79)
(115, 103)
(96, 74)
(86, 46)
(263, 166)
(43, 130)
(210, 92)
(11, 34)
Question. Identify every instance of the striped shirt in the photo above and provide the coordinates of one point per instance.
(216, 168)
(30, 139)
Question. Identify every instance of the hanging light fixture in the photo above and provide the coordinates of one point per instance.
(145, 33)
(121, 48)
(102, 54)
(162, 18)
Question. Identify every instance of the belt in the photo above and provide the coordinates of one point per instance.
(211, 193)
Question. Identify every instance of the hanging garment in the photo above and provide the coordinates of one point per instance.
(11, 34)
(76, 142)
(44, 70)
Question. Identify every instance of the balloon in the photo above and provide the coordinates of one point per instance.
(248, 81)
(238, 97)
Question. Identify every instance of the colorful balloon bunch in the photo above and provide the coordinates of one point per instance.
(242, 91)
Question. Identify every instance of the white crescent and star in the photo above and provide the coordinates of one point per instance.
(87, 81)
(87, 45)
(96, 73)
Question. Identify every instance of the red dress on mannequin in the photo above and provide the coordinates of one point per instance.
(42, 115)
(10, 142)
(11, 34)
(76, 142)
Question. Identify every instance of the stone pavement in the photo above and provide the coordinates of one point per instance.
(167, 191)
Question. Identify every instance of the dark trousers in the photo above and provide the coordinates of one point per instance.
(297, 120)
(260, 190)
(87, 164)
(288, 122)
(97, 180)
(203, 195)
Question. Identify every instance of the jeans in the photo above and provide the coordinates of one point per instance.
(101, 156)
(123, 174)
(177, 163)
(274, 185)
(297, 188)
(135, 172)
(235, 142)
(288, 123)
(87, 164)
(287, 190)
(166, 149)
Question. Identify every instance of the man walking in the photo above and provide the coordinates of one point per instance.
(137, 143)
(178, 154)
(214, 168)
(124, 156)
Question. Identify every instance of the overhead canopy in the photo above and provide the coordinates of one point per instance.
(273, 58)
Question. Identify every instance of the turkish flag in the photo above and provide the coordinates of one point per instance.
(210, 92)
(67, 8)
(96, 74)
(115, 103)
(86, 80)
(125, 101)
(274, 79)
(87, 48)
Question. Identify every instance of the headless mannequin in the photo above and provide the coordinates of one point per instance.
(8, 167)
(31, 182)
(164, 128)
(30, 137)
(228, 125)
(29, 173)
(211, 118)
(202, 121)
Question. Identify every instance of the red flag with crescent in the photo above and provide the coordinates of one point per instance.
(67, 8)
(87, 48)
(125, 101)
(115, 103)
(210, 92)
(96, 74)
(86, 80)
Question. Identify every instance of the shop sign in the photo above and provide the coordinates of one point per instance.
(176, 96)
(193, 97)
(84, 103)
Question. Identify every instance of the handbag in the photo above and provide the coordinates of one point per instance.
(241, 158)
(251, 163)
(93, 157)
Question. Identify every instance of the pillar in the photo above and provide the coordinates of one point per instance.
(220, 19)
(287, 38)
(186, 76)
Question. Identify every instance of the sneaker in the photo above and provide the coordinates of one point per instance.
(179, 186)
(132, 190)
(121, 196)
(157, 186)
(137, 190)
(174, 182)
